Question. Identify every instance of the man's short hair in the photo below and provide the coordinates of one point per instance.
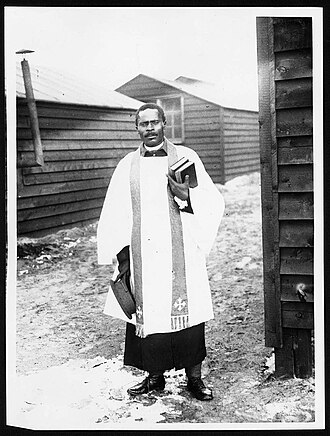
(160, 110)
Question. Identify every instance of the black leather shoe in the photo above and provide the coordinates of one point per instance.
(199, 390)
(150, 383)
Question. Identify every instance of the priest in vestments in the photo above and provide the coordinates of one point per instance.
(158, 233)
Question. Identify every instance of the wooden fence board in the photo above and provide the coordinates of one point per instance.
(69, 155)
(65, 124)
(203, 148)
(80, 185)
(297, 315)
(294, 122)
(58, 220)
(198, 106)
(246, 160)
(234, 172)
(295, 178)
(296, 206)
(201, 142)
(78, 134)
(297, 288)
(203, 122)
(214, 134)
(295, 358)
(295, 155)
(59, 209)
(242, 126)
(237, 132)
(47, 231)
(197, 128)
(293, 35)
(55, 177)
(53, 145)
(297, 261)
(246, 139)
(243, 152)
(294, 93)
(208, 153)
(60, 198)
(73, 112)
(239, 113)
(201, 115)
(293, 64)
(72, 166)
(222, 170)
(296, 233)
(248, 122)
(295, 141)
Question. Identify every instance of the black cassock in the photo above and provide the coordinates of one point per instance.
(164, 351)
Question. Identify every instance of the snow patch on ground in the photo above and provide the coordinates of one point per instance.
(80, 392)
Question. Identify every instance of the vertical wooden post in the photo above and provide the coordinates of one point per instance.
(295, 357)
(32, 107)
(222, 148)
(269, 196)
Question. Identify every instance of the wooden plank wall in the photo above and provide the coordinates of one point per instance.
(294, 130)
(288, 63)
(203, 134)
(241, 142)
(81, 146)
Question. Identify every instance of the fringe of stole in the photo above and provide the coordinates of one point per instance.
(179, 322)
(139, 330)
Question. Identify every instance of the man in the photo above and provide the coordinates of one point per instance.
(160, 232)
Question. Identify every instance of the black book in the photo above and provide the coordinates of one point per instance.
(184, 167)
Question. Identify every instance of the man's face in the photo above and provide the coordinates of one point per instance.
(151, 127)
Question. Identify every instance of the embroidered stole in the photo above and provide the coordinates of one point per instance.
(179, 311)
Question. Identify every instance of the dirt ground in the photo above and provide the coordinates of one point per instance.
(69, 354)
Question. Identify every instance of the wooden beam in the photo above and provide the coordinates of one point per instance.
(269, 181)
(296, 233)
(297, 315)
(294, 122)
(297, 261)
(292, 33)
(34, 125)
(293, 64)
(294, 93)
(295, 155)
(222, 147)
(295, 357)
(296, 206)
(295, 178)
(295, 141)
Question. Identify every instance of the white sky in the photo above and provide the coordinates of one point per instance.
(110, 46)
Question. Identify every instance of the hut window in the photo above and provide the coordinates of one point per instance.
(173, 108)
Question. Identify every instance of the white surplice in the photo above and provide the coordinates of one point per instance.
(199, 232)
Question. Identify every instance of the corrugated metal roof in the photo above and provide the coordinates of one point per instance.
(204, 90)
(54, 86)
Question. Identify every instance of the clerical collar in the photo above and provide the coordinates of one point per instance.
(158, 150)
(158, 147)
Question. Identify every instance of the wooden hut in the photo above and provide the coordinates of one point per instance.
(286, 143)
(85, 131)
(225, 136)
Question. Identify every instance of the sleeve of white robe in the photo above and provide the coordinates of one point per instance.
(114, 227)
(208, 207)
